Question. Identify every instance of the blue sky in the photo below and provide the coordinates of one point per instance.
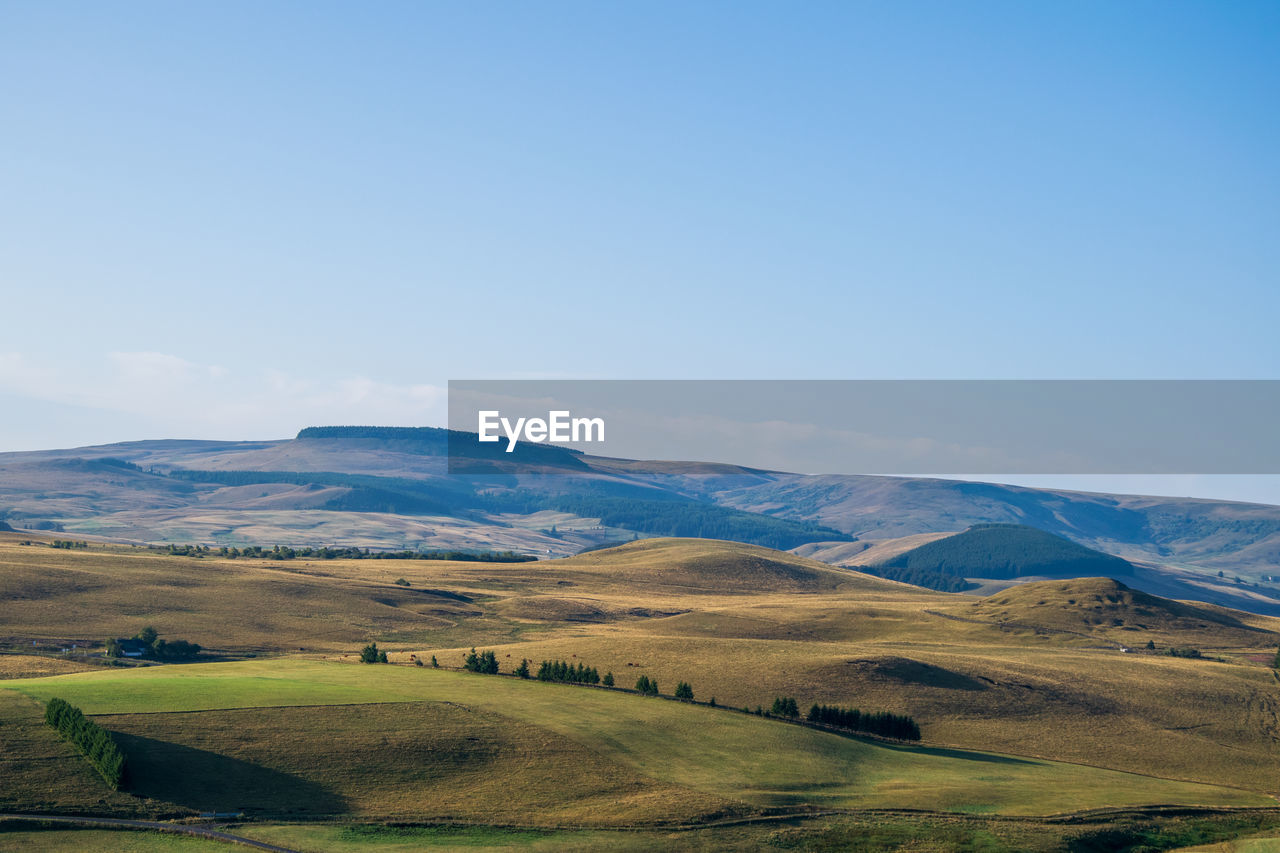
(230, 220)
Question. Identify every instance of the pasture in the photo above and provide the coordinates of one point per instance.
(393, 742)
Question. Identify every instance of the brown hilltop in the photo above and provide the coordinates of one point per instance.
(715, 565)
(1105, 606)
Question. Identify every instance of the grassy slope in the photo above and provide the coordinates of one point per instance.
(1100, 605)
(1158, 715)
(93, 594)
(116, 841)
(1011, 679)
(725, 756)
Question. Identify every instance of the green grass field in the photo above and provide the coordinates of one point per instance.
(117, 841)
(920, 833)
(1248, 832)
(666, 760)
(1029, 710)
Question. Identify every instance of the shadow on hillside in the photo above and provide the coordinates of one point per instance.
(211, 782)
(908, 671)
(965, 755)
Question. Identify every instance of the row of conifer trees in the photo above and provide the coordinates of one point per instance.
(93, 741)
(880, 723)
(563, 671)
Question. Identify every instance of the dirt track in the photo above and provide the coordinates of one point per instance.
(123, 823)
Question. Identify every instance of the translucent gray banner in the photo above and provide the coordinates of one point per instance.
(940, 427)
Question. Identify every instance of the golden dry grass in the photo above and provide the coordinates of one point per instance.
(237, 605)
(310, 738)
(741, 624)
(35, 666)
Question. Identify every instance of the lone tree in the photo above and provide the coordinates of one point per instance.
(523, 669)
(608, 676)
(370, 654)
(684, 691)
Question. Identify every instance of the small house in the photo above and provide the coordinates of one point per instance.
(132, 648)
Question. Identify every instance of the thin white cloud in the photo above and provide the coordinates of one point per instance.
(183, 399)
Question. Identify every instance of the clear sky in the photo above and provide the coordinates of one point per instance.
(234, 219)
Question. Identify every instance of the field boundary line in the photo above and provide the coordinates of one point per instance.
(153, 825)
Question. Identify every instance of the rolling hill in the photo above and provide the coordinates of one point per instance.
(443, 745)
(990, 551)
(1027, 701)
(389, 488)
(1107, 607)
(1034, 670)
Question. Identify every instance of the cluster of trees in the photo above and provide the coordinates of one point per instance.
(785, 706)
(566, 673)
(646, 686)
(287, 552)
(1008, 551)
(150, 643)
(677, 518)
(1183, 652)
(93, 741)
(1171, 525)
(485, 662)
(189, 550)
(563, 672)
(436, 435)
(880, 723)
(684, 691)
(115, 462)
(921, 577)
(370, 654)
(68, 544)
(174, 649)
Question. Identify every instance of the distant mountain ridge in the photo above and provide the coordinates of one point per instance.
(389, 488)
